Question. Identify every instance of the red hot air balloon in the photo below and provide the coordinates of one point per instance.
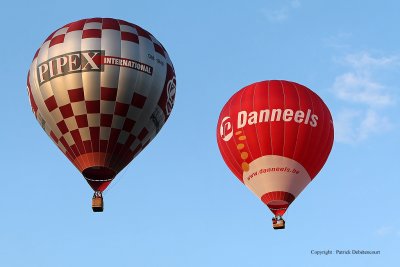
(101, 88)
(275, 136)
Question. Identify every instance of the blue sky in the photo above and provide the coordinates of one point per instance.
(177, 204)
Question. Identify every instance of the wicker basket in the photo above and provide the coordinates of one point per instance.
(97, 204)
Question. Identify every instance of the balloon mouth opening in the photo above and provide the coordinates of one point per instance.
(277, 203)
(99, 173)
(278, 207)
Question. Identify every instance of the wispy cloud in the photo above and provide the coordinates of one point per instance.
(364, 61)
(356, 125)
(281, 13)
(338, 41)
(387, 231)
(363, 97)
(361, 88)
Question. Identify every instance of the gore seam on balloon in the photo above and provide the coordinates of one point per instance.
(110, 153)
(284, 123)
(243, 130)
(258, 142)
(270, 128)
(298, 127)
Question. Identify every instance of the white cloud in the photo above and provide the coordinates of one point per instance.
(387, 231)
(364, 61)
(277, 15)
(295, 3)
(359, 88)
(371, 123)
(353, 126)
(338, 41)
(281, 13)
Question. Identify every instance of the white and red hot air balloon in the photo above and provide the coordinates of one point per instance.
(101, 88)
(275, 136)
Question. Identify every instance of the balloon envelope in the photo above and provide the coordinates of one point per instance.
(101, 88)
(275, 136)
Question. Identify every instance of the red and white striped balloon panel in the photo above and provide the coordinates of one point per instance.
(101, 88)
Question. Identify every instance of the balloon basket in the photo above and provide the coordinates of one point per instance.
(97, 204)
(280, 224)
